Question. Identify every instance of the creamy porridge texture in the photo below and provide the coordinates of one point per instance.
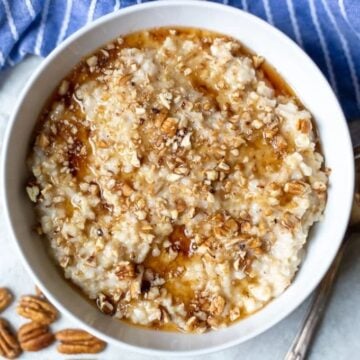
(175, 183)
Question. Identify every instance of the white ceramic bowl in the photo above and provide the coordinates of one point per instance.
(299, 71)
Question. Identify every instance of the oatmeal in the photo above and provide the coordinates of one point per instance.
(175, 182)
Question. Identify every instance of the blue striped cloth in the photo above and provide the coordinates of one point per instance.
(328, 30)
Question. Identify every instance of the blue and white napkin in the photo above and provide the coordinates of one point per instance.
(328, 30)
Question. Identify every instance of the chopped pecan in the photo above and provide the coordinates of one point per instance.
(169, 126)
(231, 225)
(304, 126)
(223, 166)
(65, 261)
(63, 88)
(220, 232)
(160, 116)
(75, 341)
(182, 170)
(34, 336)
(125, 270)
(92, 61)
(180, 205)
(212, 175)
(124, 79)
(9, 346)
(105, 304)
(135, 288)
(5, 298)
(319, 186)
(42, 141)
(258, 60)
(127, 190)
(165, 316)
(102, 144)
(254, 243)
(269, 133)
(193, 324)
(213, 321)
(217, 305)
(244, 215)
(91, 260)
(37, 309)
(279, 143)
(289, 221)
(218, 219)
(33, 192)
(245, 227)
(295, 187)
(121, 310)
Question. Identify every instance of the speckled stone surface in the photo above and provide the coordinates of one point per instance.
(338, 337)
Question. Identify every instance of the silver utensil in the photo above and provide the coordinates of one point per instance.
(304, 337)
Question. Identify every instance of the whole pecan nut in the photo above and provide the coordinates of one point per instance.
(75, 341)
(9, 346)
(5, 298)
(37, 309)
(34, 336)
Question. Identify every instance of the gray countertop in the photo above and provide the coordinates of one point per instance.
(338, 336)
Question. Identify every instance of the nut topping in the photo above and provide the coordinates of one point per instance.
(9, 346)
(75, 341)
(33, 192)
(169, 126)
(289, 221)
(125, 270)
(126, 189)
(212, 175)
(304, 126)
(104, 303)
(279, 143)
(180, 205)
(42, 141)
(295, 187)
(217, 305)
(34, 336)
(37, 309)
(319, 186)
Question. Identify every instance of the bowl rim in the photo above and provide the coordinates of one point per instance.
(8, 219)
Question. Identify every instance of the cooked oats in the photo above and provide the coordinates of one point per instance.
(176, 179)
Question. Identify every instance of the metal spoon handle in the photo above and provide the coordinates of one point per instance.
(302, 341)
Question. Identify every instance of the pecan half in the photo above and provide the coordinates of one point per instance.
(75, 341)
(9, 346)
(37, 309)
(34, 336)
(5, 298)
